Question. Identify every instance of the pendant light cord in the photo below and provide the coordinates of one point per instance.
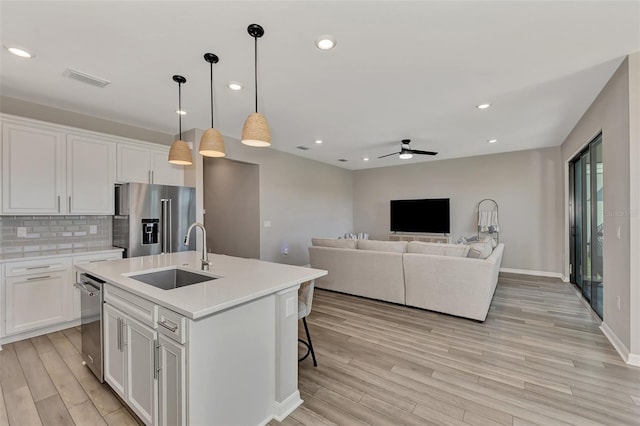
(211, 95)
(180, 109)
(255, 70)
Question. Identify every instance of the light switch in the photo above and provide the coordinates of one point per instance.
(93, 229)
(21, 232)
(618, 233)
(267, 224)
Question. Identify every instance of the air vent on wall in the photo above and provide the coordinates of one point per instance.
(304, 148)
(85, 78)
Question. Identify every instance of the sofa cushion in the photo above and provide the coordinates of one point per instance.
(388, 246)
(334, 242)
(493, 241)
(456, 250)
(481, 249)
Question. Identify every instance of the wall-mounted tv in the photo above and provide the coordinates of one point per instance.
(428, 215)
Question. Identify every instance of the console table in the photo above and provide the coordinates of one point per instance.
(422, 238)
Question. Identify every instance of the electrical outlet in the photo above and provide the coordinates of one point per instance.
(22, 232)
(93, 229)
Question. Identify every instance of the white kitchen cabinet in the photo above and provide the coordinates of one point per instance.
(36, 295)
(171, 382)
(90, 175)
(113, 355)
(33, 170)
(141, 163)
(129, 354)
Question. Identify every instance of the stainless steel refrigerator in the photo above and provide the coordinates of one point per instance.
(153, 219)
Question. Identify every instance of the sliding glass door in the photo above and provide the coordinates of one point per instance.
(587, 222)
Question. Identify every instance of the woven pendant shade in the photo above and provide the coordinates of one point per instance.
(180, 153)
(255, 131)
(212, 144)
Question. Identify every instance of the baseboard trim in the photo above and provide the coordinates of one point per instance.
(629, 358)
(39, 332)
(535, 273)
(564, 278)
(286, 407)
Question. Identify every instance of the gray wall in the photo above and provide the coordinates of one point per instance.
(67, 118)
(526, 185)
(301, 198)
(609, 113)
(232, 204)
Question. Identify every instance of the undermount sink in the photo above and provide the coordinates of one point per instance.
(168, 279)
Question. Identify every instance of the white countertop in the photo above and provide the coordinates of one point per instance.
(241, 280)
(16, 257)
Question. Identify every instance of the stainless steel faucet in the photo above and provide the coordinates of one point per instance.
(205, 256)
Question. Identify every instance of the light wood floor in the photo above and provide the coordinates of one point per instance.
(538, 359)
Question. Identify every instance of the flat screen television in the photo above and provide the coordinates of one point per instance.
(428, 215)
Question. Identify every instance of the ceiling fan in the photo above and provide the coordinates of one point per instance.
(406, 152)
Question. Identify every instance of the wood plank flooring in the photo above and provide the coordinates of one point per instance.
(539, 358)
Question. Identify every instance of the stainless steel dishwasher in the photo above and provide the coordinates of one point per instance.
(91, 319)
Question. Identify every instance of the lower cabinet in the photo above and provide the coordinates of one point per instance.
(171, 383)
(36, 300)
(129, 351)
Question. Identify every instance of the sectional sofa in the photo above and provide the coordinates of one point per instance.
(439, 277)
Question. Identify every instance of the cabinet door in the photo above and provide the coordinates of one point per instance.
(113, 351)
(35, 301)
(171, 383)
(141, 386)
(133, 164)
(163, 172)
(33, 166)
(90, 175)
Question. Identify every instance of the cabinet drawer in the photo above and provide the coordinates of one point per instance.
(143, 310)
(15, 269)
(172, 325)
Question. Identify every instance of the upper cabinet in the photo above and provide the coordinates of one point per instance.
(48, 169)
(90, 175)
(33, 170)
(141, 163)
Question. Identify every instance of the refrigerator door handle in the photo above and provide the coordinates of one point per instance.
(165, 229)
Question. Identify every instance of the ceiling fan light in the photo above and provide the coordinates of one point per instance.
(255, 131)
(405, 156)
(212, 144)
(180, 153)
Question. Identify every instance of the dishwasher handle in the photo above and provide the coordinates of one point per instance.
(88, 289)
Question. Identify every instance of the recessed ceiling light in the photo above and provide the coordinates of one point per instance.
(318, 141)
(483, 106)
(326, 42)
(234, 85)
(181, 112)
(19, 52)
(365, 159)
(492, 140)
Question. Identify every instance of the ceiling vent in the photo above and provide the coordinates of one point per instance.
(303, 148)
(85, 78)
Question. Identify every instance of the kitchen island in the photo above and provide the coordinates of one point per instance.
(219, 352)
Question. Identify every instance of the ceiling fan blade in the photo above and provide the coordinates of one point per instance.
(417, 151)
(388, 155)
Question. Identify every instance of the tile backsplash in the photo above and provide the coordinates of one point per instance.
(45, 233)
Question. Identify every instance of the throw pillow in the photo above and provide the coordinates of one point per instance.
(388, 246)
(333, 242)
(456, 250)
(480, 250)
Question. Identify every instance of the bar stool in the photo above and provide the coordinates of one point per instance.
(305, 298)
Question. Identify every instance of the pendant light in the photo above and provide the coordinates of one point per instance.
(180, 153)
(255, 131)
(211, 143)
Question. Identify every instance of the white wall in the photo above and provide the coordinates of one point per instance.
(634, 225)
(610, 113)
(526, 185)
